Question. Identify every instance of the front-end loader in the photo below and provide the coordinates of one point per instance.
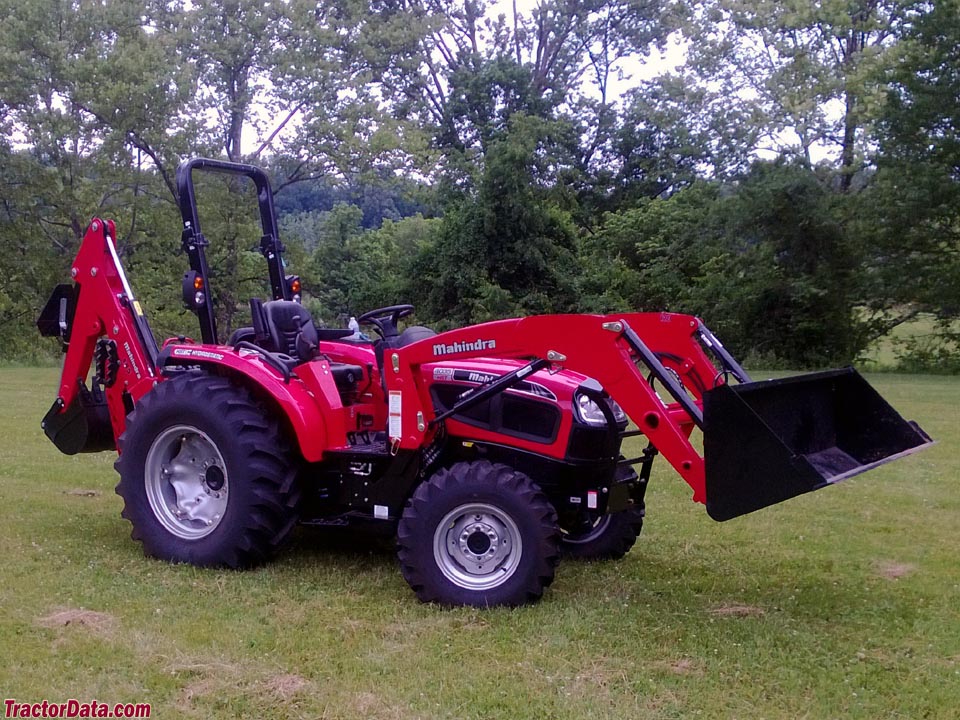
(488, 451)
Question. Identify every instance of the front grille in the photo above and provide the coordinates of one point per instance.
(587, 443)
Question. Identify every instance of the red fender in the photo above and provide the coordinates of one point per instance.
(310, 402)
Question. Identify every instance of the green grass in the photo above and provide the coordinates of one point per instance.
(885, 353)
(849, 605)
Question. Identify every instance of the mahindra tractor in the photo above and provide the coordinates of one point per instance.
(487, 451)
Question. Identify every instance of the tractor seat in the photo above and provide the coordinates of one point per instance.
(290, 328)
(293, 336)
(248, 334)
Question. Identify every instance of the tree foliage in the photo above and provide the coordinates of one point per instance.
(796, 180)
(507, 251)
(765, 261)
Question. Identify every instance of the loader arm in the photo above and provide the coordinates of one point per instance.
(606, 348)
(764, 442)
(97, 316)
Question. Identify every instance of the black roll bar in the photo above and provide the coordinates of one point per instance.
(194, 243)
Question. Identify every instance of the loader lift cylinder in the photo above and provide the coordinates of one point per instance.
(651, 360)
(726, 359)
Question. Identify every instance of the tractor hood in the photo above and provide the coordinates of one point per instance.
(557, 386)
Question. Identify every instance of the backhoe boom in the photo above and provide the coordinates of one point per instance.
(97, 316)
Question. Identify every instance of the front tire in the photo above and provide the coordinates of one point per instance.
(603, 537)
(206, 475)
(478, 534)
(588, 535)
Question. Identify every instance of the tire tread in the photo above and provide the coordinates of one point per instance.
(270, 465)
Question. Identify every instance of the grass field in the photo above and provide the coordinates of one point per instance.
(886, 353)
(840, 604)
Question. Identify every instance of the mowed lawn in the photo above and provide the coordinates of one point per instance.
(840, 604)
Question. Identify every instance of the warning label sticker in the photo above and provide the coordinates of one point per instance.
(395, 407)
(396, 402)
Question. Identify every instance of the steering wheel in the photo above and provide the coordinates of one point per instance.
(385, 319)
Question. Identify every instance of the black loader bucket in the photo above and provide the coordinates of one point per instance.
(765, 442)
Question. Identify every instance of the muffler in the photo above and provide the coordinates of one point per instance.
(765, 442)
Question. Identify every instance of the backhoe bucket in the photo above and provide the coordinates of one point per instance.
(765, 442)
(84, 427)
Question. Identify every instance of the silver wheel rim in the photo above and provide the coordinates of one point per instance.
(186, 482)
(477, 546)
(599, 527)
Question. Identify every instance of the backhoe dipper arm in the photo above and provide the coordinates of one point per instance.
(104, 311)
(606, 348)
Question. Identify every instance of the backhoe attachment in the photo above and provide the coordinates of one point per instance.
(100, 324)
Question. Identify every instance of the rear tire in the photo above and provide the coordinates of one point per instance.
(478, 534)
(206, 475)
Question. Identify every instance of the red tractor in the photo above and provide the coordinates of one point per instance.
(487, 450)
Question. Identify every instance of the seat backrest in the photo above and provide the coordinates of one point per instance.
(291, 329)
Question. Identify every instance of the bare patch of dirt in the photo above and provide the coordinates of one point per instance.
(737, 611)
(593, 678)
(209, 677)
(77, 492)
(684, 666)
(598, 680)
(660, 701)
(285, 686)
(680, 666)
(204, 678)
(895, 570)
(368, 704)
(98, 622)
(204, 668)
(195, 689)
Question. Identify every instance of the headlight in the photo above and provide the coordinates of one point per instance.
(589, 412)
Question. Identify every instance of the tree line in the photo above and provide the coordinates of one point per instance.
(795, 180)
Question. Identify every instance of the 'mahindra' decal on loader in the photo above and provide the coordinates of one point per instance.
(440, 349)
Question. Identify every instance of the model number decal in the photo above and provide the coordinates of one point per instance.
(475, 377)
(482, 378)
(190, 352)
(130, 357)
